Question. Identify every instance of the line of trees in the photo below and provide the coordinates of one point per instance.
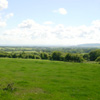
(56, 55)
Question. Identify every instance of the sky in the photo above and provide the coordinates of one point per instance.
(49, 22)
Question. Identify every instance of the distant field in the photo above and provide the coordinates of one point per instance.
(16, 49)
(48, 80)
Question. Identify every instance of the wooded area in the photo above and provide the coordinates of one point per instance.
(52, 53)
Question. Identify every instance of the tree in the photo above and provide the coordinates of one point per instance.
(74, 58)
(98, 59)
(78, 58)
(56, 55)
(86, 57)
(94, 54)
(44, 55)
(68, 57)
(37, 57)
(13, 55)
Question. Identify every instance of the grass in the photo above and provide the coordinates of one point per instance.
(48, 80)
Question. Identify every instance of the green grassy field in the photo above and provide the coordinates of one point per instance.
(48, 80)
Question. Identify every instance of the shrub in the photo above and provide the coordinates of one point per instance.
(94, 54)
(74, 58)
(68, 57)
(86, 57)
(56, 55)
(44, 55)
(37, 57)
(98, 59)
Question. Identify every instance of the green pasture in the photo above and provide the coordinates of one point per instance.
(28, 79)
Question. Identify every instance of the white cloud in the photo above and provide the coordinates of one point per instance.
(3, 4)
(27, 24)
(3, 19)
(62, 11)
(2, 24)
(32, 33)
(48, 22)
(96, 23)
(9, 15)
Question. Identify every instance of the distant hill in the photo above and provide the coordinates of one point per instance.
(89, 45)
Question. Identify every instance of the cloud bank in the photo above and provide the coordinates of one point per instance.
(30, 32)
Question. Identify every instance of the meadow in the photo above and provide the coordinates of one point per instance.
(32, 79)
